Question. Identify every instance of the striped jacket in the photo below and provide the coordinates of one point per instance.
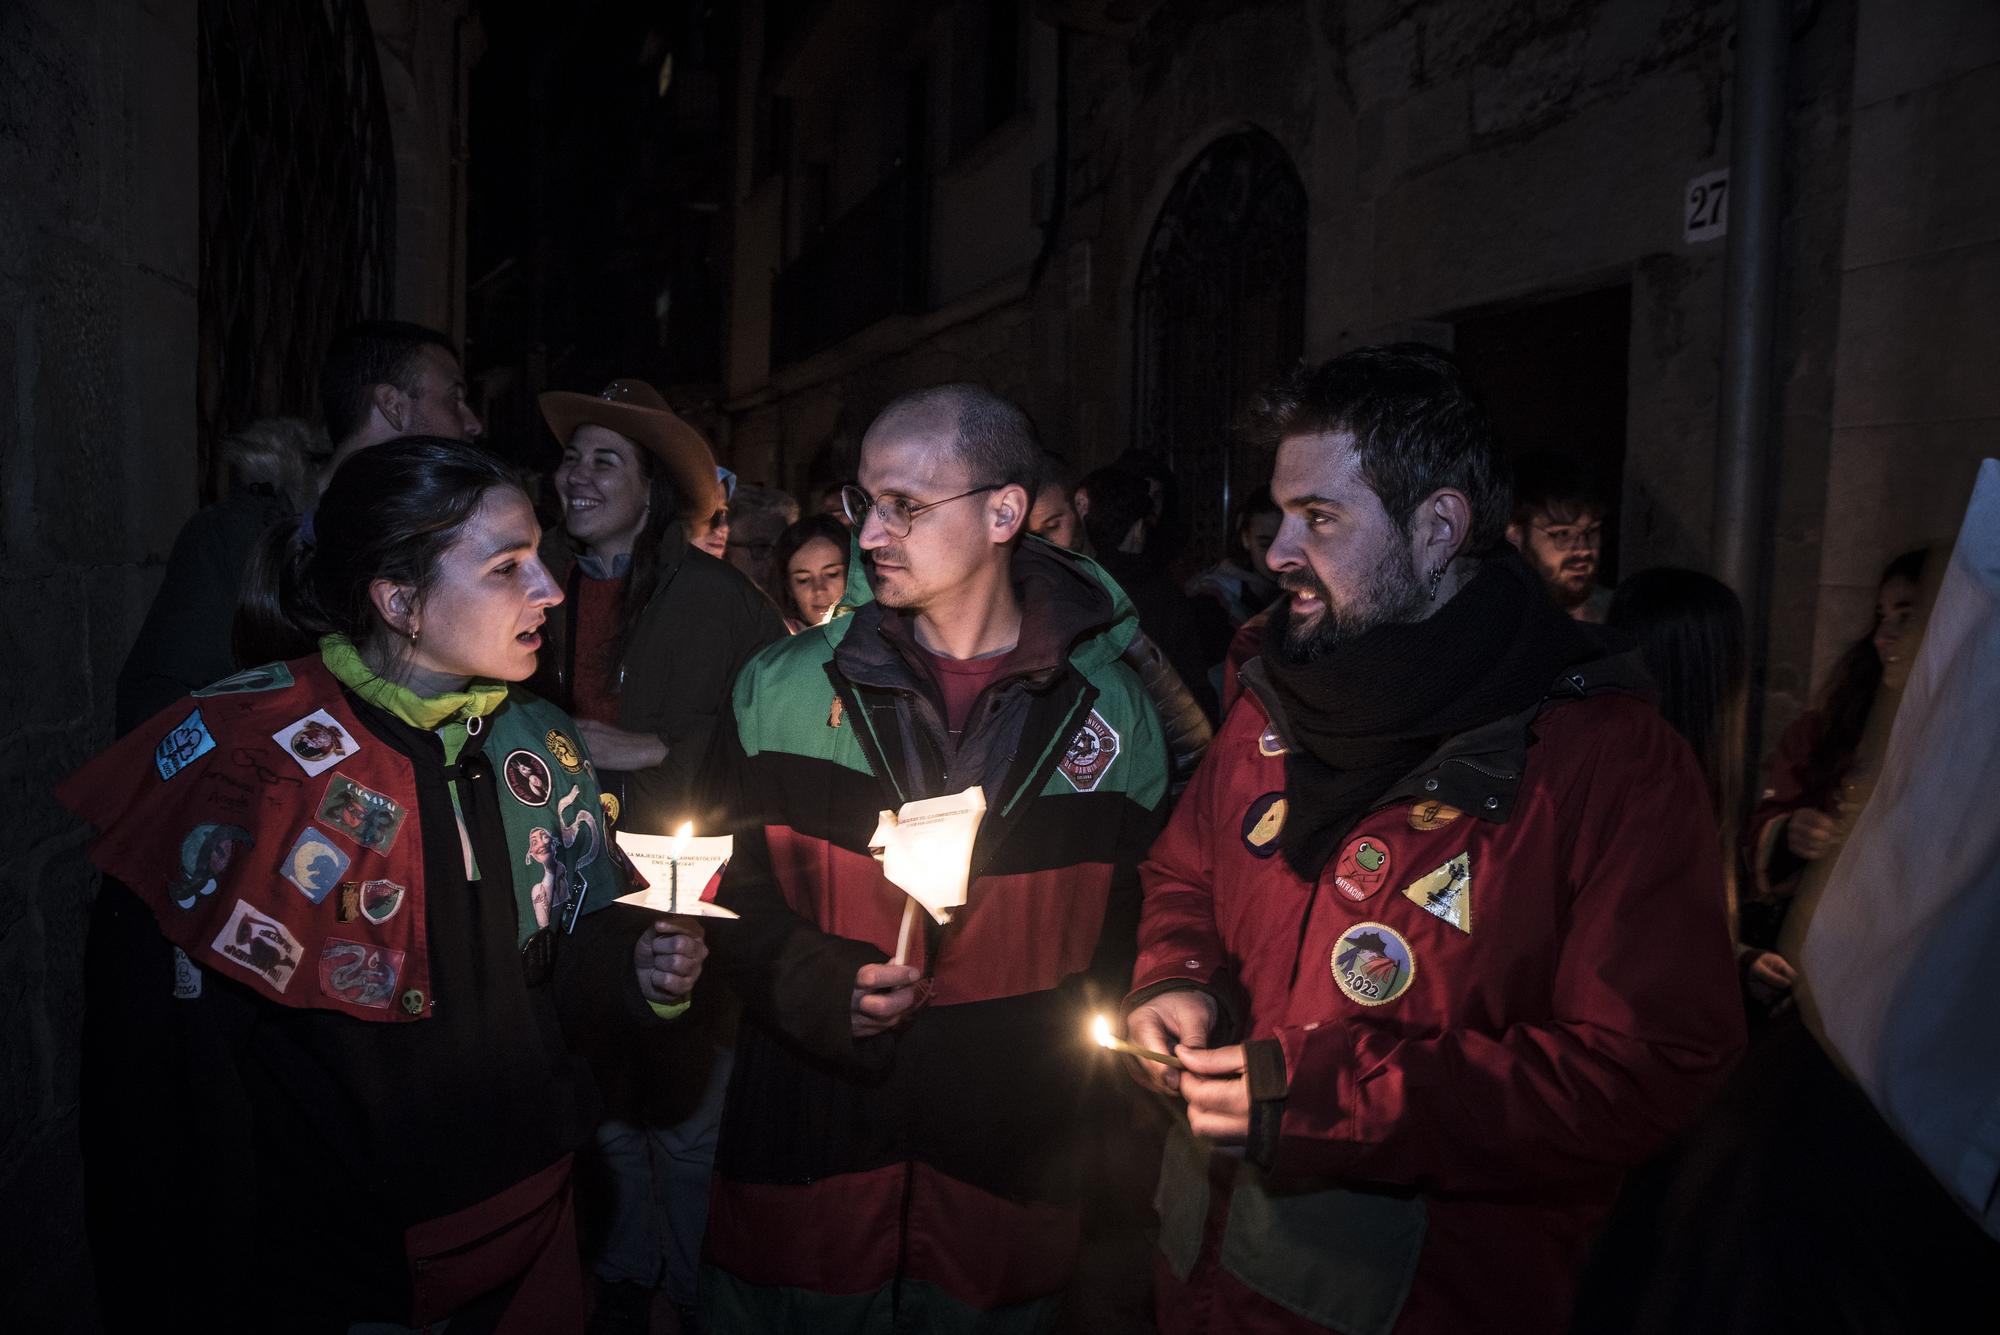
(915, 1179)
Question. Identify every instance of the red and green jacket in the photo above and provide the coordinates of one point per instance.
(928, 1175)
(323, 1013)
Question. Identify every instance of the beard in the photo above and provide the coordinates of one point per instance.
(1571, 583)
(1392, 593)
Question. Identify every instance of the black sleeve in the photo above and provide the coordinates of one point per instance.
(791, 976)
(168, 1133)
(596, 977)
(684, 785)
(183, 644)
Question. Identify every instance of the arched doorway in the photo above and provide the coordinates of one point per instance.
(298, 203)
(1221, 311)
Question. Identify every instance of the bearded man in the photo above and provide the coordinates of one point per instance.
(1438, 929)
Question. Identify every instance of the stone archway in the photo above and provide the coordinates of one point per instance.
(1220, 311)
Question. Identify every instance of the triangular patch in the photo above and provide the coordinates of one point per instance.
(1446, 893)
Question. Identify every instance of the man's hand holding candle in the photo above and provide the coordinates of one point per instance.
(668, 957)
(1217, 1091)
(883, 995)
(1170, 1021)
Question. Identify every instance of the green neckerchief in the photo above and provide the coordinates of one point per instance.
(443, 714)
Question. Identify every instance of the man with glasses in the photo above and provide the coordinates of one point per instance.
(900, 1145)
(1558, 526)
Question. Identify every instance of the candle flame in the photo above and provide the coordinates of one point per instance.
(681, 837)
(1100, 1029)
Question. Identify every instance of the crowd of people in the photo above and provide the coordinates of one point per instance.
(1404, 864)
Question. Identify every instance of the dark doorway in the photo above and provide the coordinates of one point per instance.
(1221, 312)
(1553, 377)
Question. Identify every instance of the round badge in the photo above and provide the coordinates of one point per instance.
(1363, 868)
(528, 778)
(1261, 824)
(1372, 964)
(1432, 815)
(609, 801)
(1268, 743)
(564, 750)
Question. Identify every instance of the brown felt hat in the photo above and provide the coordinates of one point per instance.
(635, 410)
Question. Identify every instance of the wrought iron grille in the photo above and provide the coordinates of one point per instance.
(1221, 311)
(298, 202)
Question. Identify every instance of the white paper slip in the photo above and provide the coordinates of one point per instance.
(699, 861)
(926, 848)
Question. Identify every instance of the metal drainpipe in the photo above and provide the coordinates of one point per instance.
(1742, 518)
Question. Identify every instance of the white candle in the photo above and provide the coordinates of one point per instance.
(674, 866)
(1100, 1029)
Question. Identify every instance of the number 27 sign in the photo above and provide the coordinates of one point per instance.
(1705, 207)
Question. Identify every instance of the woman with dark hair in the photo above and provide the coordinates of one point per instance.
(654, 631)
(809, 570)
(1689, 628)
(1810, 796)
(327, 1074)
(643, 653)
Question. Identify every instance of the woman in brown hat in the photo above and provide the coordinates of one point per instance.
(643, 652)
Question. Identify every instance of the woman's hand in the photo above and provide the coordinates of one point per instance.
(1769, 976)
(668, 957)
(1812, 834)
(617, 749)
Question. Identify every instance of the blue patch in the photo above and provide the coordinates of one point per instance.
(314, 865)
(180, 748)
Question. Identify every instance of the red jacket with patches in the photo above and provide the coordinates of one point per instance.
(1441, 1127)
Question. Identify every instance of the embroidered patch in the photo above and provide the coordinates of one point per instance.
(609, 801)
(1090, 753)
(317, 742)
(1372, 964)
(206, 853)
(528, 778)
(564, 750)
(270, 677)
(1363, 868)
(187, 977)
(347, 901)
(1446, 893)
(314, 865)
(369, 818)
(1432, 815)
(1269, 744)
(358, 973)
(263, 945)
(187, 743)
(1262, 821)
(380, 900)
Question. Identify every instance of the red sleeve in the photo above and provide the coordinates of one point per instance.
(1178, 941)
(1640, 1027)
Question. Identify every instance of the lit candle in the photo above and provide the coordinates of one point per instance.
(674, 866)
(1100, 1029)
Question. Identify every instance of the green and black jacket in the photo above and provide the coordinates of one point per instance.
(930, 1173)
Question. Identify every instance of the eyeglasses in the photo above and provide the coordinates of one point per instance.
(896, 512)
(1566, 539)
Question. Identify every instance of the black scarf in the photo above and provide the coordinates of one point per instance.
(1367, 712)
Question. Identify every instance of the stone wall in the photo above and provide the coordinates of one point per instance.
(1463, 159)
(97, 319)
(1916, 401)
